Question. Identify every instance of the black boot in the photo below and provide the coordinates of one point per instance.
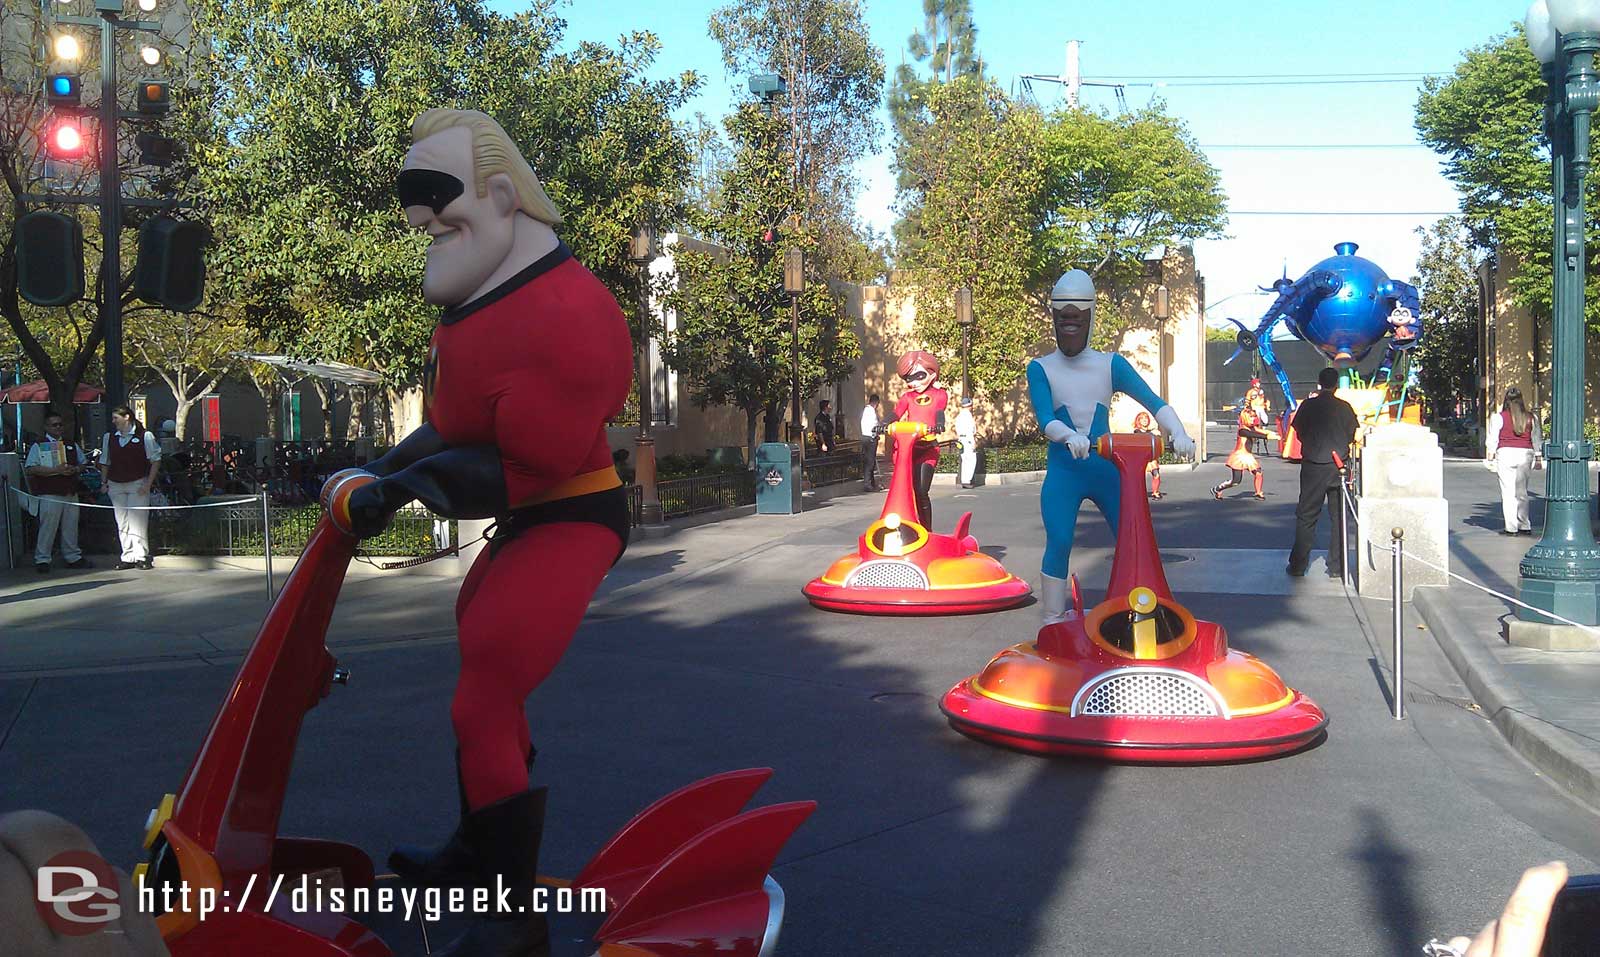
(505, 838)
(452, 865)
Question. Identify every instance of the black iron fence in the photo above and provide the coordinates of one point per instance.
(833, 469)
(235, 531)
(706, 493)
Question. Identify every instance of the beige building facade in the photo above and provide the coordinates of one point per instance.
(1170, 355)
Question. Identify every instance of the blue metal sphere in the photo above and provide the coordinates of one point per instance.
(1346, 325)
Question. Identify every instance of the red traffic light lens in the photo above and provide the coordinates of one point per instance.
(66, 139)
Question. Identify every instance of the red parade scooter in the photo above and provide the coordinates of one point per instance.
(900, 567)
(688, 875)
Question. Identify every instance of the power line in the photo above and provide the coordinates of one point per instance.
(1261, 76)
(1162, 84)
(1340, 212)
(1313, 146)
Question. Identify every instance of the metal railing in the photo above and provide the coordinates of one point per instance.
(833, 469)
(706, 493)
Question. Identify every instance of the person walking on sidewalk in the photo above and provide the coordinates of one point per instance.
(869, 443)
(1511, 453)
(967, 438)
(1327, 427)
(132, 460)
(53, 467)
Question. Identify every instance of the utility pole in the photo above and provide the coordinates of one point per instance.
(1071, 77)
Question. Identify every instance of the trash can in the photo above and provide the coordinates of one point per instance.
(777, 479)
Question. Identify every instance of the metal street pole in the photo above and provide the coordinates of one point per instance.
(1561, 573)
(794, 363)
(644, 469)
(110, 213)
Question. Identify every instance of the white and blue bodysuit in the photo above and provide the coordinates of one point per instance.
(1072, 395)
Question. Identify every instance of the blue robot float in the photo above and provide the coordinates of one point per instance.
(1344, 305)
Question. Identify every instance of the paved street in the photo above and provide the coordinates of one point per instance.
(701, 655)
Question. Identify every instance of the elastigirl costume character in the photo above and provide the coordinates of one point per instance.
(925, 402)
(530, 359)
(1143, 423)
(1071, 390)
(1252, 427)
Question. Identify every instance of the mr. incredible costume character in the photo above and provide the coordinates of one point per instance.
(1071, 391)
(530, 359)
(924, 402)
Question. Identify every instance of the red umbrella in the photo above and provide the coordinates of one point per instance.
(38, 391)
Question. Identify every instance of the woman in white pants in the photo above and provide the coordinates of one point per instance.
(1513, 437)
(130, 458)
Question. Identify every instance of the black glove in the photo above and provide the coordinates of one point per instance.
(419, 444)
(464, 482)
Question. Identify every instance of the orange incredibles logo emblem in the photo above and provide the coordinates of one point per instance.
(923, 399)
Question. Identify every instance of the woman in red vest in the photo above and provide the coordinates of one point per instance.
(1512, 452)
(131, 458)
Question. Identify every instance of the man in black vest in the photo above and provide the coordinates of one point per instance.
(53, 467)
(1327, 426)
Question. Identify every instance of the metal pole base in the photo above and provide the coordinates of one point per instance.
(1578, 601)
(644, 473)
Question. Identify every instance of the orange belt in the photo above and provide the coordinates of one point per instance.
(585, 483)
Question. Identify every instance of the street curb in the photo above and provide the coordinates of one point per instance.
(1555, 752)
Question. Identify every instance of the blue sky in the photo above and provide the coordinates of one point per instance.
(1293, 53)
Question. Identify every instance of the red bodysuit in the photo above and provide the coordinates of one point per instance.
(928, 408)
(534, 368)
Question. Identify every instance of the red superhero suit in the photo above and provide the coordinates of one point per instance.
(519, 385)
(923, 401)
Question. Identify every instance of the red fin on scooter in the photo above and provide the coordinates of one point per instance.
(728, 861)
(668, 824)
(961, 529)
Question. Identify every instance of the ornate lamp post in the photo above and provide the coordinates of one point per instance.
(1561, 574)
(794, 283)
(1163, 311)
(964, 320)
(641, 251)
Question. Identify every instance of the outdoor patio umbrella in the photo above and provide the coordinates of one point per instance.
(38, 391)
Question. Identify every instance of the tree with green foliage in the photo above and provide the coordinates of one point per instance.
(947, 46)
(978, 176)
(1448, 281)
(301, 121)
(834, 75)
(189, 352)
(732, 339)
(1117, 187)
(1487, 120)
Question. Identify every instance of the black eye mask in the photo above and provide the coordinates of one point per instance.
(427, 187)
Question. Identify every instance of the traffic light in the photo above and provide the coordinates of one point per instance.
(171, 270)
(153, 96)
(157, 150)
(65, 138)
(49, 259)
(64, 89)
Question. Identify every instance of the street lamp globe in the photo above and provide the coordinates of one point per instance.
(67, 47)
(1542, 37)
(148, 6)
(1575, 16)
(150, 55)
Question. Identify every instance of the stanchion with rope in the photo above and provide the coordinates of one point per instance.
(5, 503)
(266, 538)
(1398, 535)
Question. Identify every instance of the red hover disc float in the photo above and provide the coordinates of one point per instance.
(1137, 677)
(900, 567)
(687, 875)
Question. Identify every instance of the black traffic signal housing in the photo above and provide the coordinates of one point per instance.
(49, 258)
(171, 271)
(157, 150)
(153, 96)
(63, 89)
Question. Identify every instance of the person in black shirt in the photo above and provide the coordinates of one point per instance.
(1327, 426)
(825, 427)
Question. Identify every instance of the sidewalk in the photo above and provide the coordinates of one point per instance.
(1543, 702)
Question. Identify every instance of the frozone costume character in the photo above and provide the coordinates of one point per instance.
(1071, 391)
(531, 357)
(925, 402)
